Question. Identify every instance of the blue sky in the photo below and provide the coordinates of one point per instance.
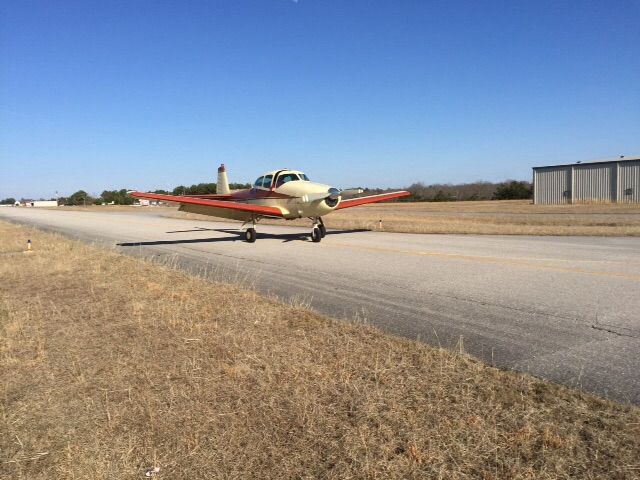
(151, 94)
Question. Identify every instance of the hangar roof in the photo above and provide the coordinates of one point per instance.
(625, 158)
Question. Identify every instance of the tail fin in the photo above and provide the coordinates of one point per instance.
(223, 182)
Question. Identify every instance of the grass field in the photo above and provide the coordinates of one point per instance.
(110, 366)
(511, 217)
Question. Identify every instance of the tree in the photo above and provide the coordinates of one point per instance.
(79, 198)
(8, 201)
(117, 197)
(513, 190)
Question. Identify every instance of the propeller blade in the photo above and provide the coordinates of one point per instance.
(332, 193)
(347, 192)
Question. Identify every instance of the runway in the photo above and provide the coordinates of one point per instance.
(565, 309)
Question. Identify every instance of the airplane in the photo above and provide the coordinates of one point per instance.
(285, 193)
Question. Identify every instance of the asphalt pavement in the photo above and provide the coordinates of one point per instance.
(566, 309)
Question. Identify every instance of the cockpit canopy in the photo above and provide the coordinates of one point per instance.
(280, 177)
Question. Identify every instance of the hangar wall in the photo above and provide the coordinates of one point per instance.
(629, 182)
(615, 181)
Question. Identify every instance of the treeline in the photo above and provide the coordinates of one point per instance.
(117, 197)
(121, 197)
(509, 190)
(447, 192)
(201, 189)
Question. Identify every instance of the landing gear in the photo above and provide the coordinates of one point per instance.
(250, 235)
(250, 232)
(318, 231)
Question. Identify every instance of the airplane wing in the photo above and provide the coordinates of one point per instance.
(354, 202)
(211, 196)
(241, 207)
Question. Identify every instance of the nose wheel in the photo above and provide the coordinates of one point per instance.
(318, 231)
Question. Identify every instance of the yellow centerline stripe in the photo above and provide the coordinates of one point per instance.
(491, 260)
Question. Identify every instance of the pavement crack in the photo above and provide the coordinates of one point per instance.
(610, 329)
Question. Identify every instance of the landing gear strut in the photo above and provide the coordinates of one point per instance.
(323, 229)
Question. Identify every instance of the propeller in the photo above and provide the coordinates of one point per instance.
(332, 194)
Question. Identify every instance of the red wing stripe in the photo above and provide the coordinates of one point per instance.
(243, 207)
(210, 196)
(354, 202)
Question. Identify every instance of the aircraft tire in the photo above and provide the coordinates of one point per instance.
(316, 236)
(250, 235)
(323, 230)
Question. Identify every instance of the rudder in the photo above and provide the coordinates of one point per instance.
(222, 187)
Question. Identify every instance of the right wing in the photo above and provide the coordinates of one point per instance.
(354, 202)
(230, 205)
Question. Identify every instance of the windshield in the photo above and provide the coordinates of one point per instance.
(304, 177)
(286, 177)
(264, 181)
(267, 181)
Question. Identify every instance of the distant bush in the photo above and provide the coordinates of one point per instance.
(513, 190)
(8, 201)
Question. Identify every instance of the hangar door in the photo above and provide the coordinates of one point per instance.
(552, 185)
(594, 183)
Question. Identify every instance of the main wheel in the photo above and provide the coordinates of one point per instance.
(323, 230)
(250, 235)
(316, 236)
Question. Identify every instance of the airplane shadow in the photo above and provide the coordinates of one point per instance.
(237, 236)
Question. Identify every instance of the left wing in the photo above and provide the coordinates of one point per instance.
(229, 205)
(354, 202)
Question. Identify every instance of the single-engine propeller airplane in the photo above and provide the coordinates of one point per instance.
(285, 193)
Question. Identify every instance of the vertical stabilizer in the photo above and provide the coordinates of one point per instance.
(223, 182)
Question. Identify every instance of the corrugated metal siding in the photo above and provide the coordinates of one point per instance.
(594, 183)
(597, 182)
(629, 178)
(552, 185)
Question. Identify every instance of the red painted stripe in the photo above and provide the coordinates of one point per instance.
(210, 196)
(243, 207)
(354, 202)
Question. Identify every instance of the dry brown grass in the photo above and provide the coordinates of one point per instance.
(111, 365)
